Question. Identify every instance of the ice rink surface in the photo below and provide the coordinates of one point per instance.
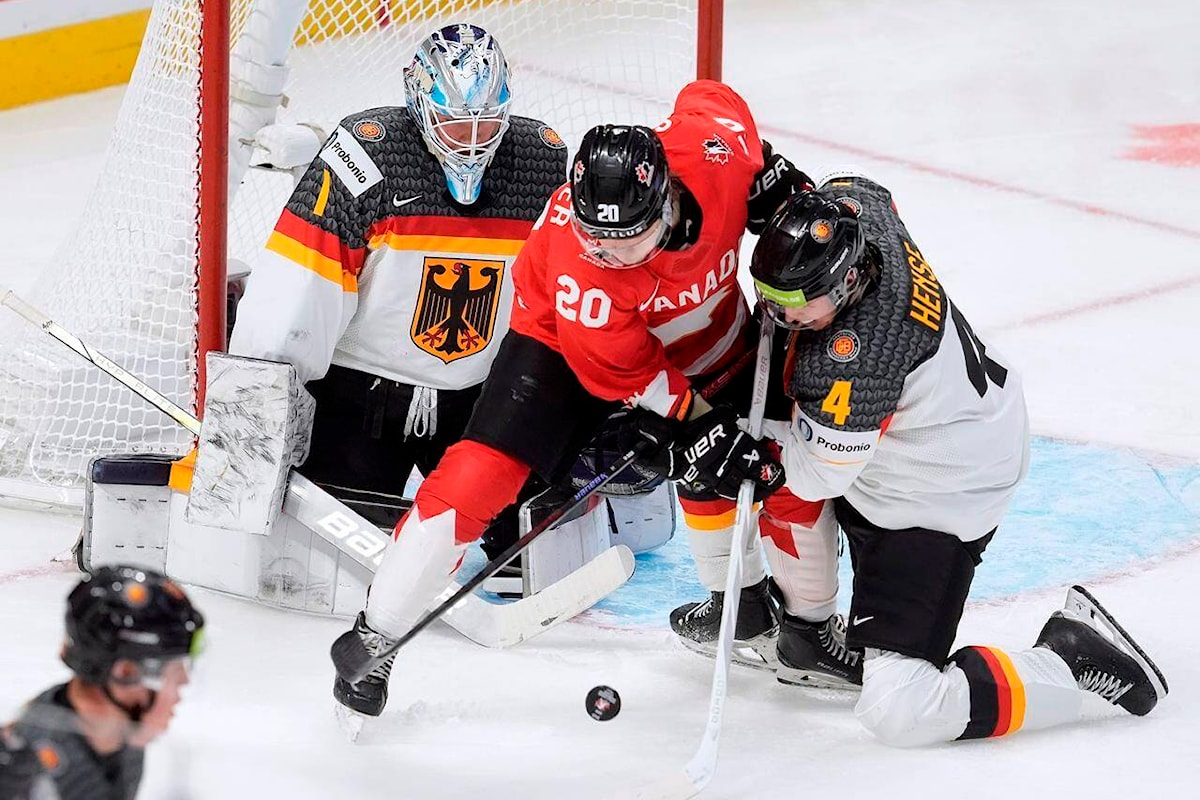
(1046, 158)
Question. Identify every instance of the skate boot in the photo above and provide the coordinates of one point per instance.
(698, 626)
(368, 696)
(1112, 666)
(815, 654)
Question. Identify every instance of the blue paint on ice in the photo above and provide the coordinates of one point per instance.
(1083, 512)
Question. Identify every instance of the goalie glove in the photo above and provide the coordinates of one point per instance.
(712, 454)
(778, 180)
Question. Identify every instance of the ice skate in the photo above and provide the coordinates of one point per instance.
(357, 653)
(698, 626)
(815, 654)
(1104, 659)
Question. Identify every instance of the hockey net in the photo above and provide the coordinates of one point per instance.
(125, 281)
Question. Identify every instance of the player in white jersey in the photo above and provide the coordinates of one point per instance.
(912, 436)
(386, 282)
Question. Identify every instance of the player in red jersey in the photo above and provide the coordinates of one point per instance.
(626, 295)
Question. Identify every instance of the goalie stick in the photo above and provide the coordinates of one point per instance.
(487, 624)
(698, 772)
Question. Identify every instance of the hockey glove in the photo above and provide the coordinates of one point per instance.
(713, 454)
(778, 180)
(649, 432)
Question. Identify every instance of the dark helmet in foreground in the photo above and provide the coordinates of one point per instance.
(128, 613)
(620, 190)
(814, 247)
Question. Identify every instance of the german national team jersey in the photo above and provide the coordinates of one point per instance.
(637, 335)
(899, 407)
(373, 267)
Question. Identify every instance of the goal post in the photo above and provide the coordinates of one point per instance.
(143, 275)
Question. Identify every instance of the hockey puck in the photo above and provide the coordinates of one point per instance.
(603, 703)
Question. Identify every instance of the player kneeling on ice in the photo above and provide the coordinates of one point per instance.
(131, 635)
(626, 294)
(912, 436)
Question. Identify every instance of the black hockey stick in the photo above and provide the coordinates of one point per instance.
(353, 663)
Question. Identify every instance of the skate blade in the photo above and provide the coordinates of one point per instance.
(813, 680)
(1084, 607)
(756, 653)
(350, 721)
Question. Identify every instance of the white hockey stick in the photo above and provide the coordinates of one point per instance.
(697, 773)
(488, 624)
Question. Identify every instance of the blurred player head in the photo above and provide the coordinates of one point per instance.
(131, 636)
(456, 88)
(810, 262)
(621, 198)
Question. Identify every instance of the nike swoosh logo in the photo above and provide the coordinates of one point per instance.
(861, 620)
(398, 203)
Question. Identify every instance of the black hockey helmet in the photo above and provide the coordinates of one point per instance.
(122, 612)
(813, 247)
(620, 181)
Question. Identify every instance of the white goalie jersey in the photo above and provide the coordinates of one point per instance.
(899, 407)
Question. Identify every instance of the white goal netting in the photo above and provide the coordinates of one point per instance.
(125, 279)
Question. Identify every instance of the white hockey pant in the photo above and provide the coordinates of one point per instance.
(907, 702)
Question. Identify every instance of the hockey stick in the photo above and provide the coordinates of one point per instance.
(491, 625)
(697, 773)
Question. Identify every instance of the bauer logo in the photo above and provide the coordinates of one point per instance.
(347, 159)
(369, 130)
(843, 346)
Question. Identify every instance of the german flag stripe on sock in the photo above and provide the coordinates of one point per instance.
(997, 693)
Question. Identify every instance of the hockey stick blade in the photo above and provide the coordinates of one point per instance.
(1082, 605)
(507, 624)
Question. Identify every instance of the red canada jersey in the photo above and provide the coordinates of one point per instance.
(638, 335)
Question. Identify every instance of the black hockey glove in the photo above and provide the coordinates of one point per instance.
(713, 454)
(649, 432)
(778, 180)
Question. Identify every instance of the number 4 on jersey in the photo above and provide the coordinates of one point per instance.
(980, 368)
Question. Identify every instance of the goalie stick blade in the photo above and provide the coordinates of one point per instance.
(1083, 606)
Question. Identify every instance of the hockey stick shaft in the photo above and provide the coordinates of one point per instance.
(52, 328)
(703, 764)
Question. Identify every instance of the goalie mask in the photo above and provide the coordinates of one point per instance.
(456, 88)
(809, 262)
